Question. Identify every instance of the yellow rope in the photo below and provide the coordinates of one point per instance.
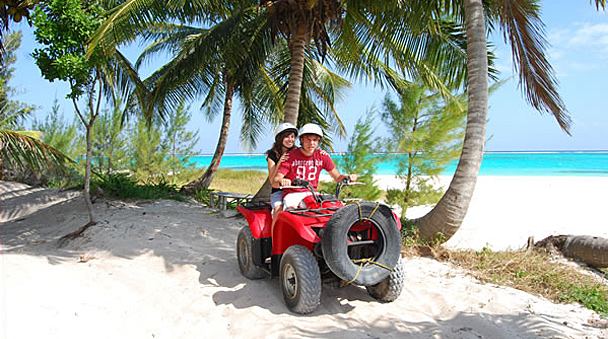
(365, 260)
(374, 211)
(370, 216)
(370, 261)
(361, 262)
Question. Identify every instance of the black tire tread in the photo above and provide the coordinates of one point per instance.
(390, 288)
(248, 269)
(308, 296)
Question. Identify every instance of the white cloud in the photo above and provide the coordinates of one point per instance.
(581, 37)
(590, 36)
(578, 48)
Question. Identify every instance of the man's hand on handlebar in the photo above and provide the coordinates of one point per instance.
(349, 178)
(296, 183)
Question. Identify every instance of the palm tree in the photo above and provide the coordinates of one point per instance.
(300, 21)
(21, 149)
(13, 10)
(447, 216)
(231, 57)
(521, 24)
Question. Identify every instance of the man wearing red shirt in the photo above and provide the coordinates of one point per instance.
(306, 163)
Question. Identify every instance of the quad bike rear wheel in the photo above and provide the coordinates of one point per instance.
(244, 255)
(300, 280)
(362, 243)
(390, 288)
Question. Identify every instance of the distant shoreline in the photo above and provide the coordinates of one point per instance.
(511, 163)
(486, 152)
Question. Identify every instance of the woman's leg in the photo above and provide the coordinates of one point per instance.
(276, 201)
(275, 213)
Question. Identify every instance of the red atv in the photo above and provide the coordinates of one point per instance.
(357, 243)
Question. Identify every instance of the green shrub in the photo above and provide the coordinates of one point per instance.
(122, 186)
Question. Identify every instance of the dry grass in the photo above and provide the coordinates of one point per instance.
(248, 182)
(535, 272)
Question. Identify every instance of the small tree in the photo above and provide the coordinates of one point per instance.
(109, 146)
(12, 42)
(58, 134)
(63, 28)
(161, 153)
(179, 143)
(146, 153)
(360, 160)
(427, 136)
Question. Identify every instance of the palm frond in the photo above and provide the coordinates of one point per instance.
(524, 31)
(19, 149)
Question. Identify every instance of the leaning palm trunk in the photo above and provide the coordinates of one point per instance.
(593, 251)
(263, 194)
(447, 216)
(292, 102)
(205, 180)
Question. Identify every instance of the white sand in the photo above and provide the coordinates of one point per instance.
(506, 210)
(165, 269)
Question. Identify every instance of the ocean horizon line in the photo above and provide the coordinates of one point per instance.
(397, 153)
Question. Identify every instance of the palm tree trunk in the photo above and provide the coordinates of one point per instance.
(593, 251)
(205, 180)
(447, 216)
(292, 102)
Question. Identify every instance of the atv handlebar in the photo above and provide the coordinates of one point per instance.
(346, 182)
(300, 182)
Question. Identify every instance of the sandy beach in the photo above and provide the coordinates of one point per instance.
(166, 269)
(506, 210)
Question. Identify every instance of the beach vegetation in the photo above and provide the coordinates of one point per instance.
(109, 148)
(150, 154)
(534, 271)
(58, 133)
(155, 151)
(24, 155)
(428, 131)
(63, 29)
(358, 160)
(123, 186)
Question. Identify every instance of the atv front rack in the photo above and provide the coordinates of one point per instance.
(316, 212)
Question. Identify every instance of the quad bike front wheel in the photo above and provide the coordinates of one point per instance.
(244, 255)
(390, 288)
(300, 280)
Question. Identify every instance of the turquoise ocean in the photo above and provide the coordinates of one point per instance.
(571, 163)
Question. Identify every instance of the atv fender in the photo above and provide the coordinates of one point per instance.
(292, 229)
(259, 221)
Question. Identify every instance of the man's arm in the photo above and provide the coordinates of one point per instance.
(339, 177)
(280, 180)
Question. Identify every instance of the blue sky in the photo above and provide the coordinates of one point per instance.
(578, 37)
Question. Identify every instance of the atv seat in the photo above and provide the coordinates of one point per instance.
(256, 205)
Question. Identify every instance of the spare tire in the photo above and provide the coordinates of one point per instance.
(361, 243)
